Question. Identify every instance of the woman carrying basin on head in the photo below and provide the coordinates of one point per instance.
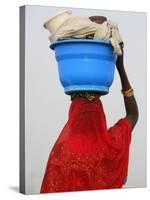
(87, 155)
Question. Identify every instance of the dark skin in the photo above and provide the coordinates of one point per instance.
(98, 19)
(131, 107)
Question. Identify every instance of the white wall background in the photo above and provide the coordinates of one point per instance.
(47, 105)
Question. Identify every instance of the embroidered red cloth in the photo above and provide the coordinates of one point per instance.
(87, 155)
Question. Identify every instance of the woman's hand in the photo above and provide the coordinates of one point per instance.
(119, 62)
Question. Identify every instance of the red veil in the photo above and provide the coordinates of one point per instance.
(87, 155)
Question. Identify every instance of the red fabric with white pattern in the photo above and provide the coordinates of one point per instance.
(87, 155)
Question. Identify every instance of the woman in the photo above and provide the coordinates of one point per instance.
(87, 155)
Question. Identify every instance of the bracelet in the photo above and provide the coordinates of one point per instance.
(128, 93)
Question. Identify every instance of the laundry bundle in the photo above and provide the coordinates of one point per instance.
(65, 26)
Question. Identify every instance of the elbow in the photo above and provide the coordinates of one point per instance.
(133, 118)
(136, 116)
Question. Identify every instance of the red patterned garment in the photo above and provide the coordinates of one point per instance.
(87, 155)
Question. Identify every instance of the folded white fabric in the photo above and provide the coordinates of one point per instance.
(83, 27)
(109, 31)
(75, 27)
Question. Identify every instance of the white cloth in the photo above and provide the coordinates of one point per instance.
(83, 27)
(109, 31)
(75, 27)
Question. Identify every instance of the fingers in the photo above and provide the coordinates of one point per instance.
(121, 45)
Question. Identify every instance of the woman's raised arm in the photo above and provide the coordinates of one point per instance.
(129, 98)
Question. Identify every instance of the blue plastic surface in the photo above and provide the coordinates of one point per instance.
(85, 64)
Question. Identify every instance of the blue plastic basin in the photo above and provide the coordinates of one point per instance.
(85, 64)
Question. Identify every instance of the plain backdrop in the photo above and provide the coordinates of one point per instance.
(46, 105)
(9, 109)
